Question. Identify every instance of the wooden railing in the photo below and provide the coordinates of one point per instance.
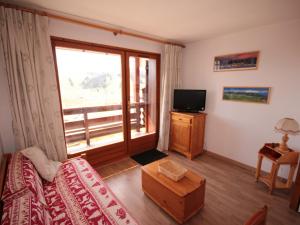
(105, 121)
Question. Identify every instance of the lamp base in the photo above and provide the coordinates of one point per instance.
(283, 145)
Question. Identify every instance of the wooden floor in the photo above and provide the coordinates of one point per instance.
(232, 195)
(114, 169)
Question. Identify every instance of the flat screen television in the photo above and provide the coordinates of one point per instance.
(187, 100)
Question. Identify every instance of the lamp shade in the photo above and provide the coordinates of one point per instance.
(287, 126)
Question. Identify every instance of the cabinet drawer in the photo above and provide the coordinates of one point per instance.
(182, 119)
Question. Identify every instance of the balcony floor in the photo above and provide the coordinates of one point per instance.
(80, 146)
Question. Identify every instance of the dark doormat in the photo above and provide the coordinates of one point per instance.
(148, 156)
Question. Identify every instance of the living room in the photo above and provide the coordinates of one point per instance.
(235, 131)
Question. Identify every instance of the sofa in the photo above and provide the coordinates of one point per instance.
(77, 195)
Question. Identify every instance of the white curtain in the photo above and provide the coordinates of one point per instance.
(26, 54)
(171, 79)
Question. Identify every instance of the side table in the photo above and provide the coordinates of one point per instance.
(271, 152)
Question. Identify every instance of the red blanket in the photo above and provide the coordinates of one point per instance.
(79, 196)
(76, 196)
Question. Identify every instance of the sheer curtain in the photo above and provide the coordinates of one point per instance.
(171, 79)
(25, 52)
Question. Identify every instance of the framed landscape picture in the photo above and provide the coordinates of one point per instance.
(247, 94)
(238, 61)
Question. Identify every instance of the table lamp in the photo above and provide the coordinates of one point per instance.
(286, 126)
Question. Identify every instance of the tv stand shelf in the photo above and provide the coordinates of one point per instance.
(187, 133)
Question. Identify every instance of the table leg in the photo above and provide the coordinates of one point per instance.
(258, 168)
(273, 176)
(291, 175)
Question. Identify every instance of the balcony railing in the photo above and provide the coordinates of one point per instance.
(85, 123)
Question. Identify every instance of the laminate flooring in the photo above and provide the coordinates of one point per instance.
(116, 168)
(231, 197)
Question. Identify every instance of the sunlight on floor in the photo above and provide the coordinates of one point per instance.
(116, 168)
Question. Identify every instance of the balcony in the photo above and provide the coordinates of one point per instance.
(90, 127)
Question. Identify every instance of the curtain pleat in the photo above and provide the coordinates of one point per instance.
(171, 79)
(29, 67)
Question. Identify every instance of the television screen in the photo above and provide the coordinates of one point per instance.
(189, 100)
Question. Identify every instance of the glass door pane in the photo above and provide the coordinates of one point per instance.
(91, 94)
(142, 96)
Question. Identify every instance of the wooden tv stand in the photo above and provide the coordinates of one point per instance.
(187, 133)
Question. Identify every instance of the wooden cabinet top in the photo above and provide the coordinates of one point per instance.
(188, 114)
(190, 182)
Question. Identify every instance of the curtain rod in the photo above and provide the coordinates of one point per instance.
(97, 26)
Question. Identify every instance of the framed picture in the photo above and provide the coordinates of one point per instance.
(239, 61)
(247, 94)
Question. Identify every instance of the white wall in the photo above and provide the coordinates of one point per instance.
(88, 34)
(71, 31)
(234, 129)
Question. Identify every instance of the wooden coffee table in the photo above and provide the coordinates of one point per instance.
(180, 199)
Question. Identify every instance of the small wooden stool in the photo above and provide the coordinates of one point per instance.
(270, 151)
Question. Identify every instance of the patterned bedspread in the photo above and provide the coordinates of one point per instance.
(25, 209)
(79, 196)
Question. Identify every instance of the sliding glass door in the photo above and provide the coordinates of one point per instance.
(91, 96)
(109, 98)
(142, 83)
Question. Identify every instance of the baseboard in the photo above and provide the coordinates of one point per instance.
(247, 168)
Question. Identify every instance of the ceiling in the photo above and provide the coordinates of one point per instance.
(178, 20)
